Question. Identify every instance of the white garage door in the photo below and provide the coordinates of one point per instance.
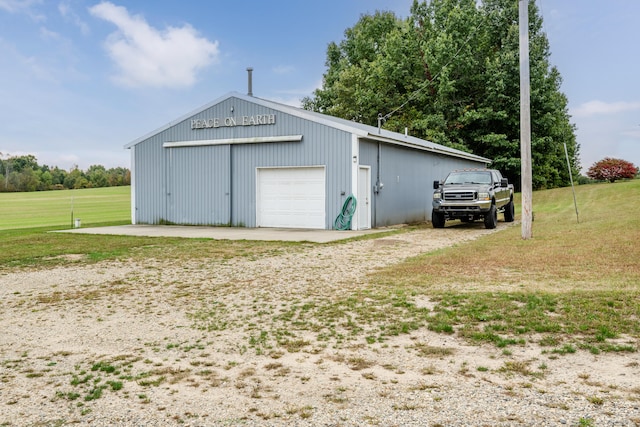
(291, 197)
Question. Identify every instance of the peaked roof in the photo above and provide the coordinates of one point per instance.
(361, 130)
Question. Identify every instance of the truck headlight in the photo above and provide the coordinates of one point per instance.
(483, 196)
(437, 196)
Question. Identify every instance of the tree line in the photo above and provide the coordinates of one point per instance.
(23, 173)
(450, 73)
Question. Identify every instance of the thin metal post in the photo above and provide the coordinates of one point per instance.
(575, 202)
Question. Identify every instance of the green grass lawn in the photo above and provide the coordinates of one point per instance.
(602, 251)
(575, 284)
(54, 208)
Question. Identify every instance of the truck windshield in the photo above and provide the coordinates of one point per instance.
(468, 178)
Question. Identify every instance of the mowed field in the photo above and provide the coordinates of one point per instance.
(55, 208)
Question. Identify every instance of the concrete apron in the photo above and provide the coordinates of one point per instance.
(226, 233)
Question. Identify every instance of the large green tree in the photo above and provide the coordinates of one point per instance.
(450, 73)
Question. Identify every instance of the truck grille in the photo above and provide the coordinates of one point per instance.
(460, 195)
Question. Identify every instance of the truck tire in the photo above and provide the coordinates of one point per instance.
(509, 212)
(437, 219)
(491, 218)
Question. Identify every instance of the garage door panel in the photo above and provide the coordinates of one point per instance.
(291, 197)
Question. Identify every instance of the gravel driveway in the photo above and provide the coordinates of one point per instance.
(217, 343)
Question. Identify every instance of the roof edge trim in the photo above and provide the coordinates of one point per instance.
(180, 119)
(445, 150)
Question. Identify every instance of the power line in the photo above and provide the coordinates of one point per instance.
(382, 119)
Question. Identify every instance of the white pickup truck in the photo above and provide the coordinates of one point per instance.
(471, 194)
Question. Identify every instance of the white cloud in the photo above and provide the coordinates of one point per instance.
(23, 6)
(15, 6)
(16, 65)
(146, 56)
(593, 108)
(47, 34)
(68, 13)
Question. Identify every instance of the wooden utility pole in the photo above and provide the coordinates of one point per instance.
(525, 121)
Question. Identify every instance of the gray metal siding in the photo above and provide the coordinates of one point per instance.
(150, 183)
(320, 146)
(198, 185)
(216, 184)
(407, 176)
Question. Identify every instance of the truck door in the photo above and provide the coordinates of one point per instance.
(502, 193)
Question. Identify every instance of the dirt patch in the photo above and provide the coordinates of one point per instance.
(68, 257)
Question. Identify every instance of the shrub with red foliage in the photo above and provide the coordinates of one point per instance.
(609, 169)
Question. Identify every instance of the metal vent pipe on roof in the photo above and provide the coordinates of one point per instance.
(250, 81)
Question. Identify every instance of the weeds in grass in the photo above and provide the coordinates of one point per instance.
(595, 400)
(294, 346)
(336, 397)
(422, 386)
(425, 350)
(369, 375)
(245, 373)
(104, 367)
(115, 385)
(429, 370)
(95, 393)
(359, 363)
(586, 422)
(549, 341)
(405, 406)
(90, 384)
(272, 366)
(556, 405)
(67, 395)
(260, 343)
(213, 317)
(304, 412)
(565, 349)
(517, 367)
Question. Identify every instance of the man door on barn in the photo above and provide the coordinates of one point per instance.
(364, 198)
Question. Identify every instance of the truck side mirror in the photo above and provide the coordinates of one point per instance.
(436, 185)
(504, 182)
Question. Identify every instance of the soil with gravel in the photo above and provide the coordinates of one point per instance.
(226, 342)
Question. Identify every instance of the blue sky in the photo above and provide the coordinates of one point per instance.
(79, 79)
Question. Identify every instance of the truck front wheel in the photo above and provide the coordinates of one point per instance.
(491, 218)
(437, 219)
(509, 212)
